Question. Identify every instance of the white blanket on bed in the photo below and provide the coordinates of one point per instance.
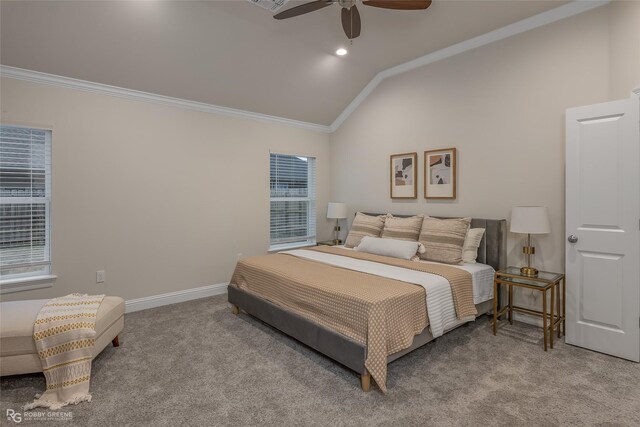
(440, 309)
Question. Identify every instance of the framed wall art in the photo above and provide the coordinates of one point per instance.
(404, 176)
(440, 174)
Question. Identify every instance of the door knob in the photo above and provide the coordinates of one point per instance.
(573, 238)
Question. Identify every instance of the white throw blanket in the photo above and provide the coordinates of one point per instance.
(64, 334)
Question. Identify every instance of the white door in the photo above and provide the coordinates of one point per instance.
(603, 221)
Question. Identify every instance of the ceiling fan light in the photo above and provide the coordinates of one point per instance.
(341, 51)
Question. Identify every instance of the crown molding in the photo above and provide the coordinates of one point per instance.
(68, 82)
(565, 11)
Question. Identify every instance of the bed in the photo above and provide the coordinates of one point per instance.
(344, 345)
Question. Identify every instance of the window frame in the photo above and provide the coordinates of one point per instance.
(311, 200)
(45, 277)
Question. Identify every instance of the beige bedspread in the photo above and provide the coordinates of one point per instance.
(382, 314)
(460, 280)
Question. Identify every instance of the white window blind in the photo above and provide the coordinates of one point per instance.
(293, 200)
(25, 202)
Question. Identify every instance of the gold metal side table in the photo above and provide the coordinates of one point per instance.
(553, 314)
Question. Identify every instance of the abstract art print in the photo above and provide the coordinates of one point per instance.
(440, 174)
(404, 174)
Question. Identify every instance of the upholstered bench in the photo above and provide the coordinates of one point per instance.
(18, 353)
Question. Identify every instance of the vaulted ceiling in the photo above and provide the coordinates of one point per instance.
(233, 53)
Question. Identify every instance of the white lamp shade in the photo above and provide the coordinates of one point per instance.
(530, 220)
(336, 210)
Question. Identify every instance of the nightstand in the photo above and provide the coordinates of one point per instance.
(553, 314)
(328, 243)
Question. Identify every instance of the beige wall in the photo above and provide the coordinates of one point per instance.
(164, 199)
(624, 44)
(502, 106)
(161, 198)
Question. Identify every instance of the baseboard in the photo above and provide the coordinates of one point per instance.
(528, 319)
(153, 301)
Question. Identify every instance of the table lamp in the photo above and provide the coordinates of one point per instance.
(336, 211)
(529, 220)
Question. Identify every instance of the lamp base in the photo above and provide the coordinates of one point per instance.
(529, 271)
(336, 230)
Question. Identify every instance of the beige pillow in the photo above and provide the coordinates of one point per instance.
(364, 225)
(402, 228)
(443, 239)
(471, 245)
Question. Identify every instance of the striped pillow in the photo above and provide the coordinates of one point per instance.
(364, 225)
(471, 245)
(443, 239)
(402, 228)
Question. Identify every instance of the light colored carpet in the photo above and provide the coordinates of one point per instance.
(197, 364)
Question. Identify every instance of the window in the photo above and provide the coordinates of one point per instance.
(293, 201)
(25, 203)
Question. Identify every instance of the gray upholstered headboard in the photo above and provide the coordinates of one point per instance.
(493, 246)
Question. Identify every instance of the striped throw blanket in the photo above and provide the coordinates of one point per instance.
(64, 334)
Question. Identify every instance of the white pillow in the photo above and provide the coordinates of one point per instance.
(471, 245)
(403, 249)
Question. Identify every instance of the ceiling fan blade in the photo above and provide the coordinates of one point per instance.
(399, 4)
(351, 23)
(303, 8)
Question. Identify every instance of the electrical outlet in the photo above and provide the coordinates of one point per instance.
(239, 257)
(101, 276)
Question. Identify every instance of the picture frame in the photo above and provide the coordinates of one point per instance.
(440, 173)
(404, 176)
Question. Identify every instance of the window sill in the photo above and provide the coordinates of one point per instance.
(20, 284)
(289, 246)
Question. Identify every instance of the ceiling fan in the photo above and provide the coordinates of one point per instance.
(351, 23)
